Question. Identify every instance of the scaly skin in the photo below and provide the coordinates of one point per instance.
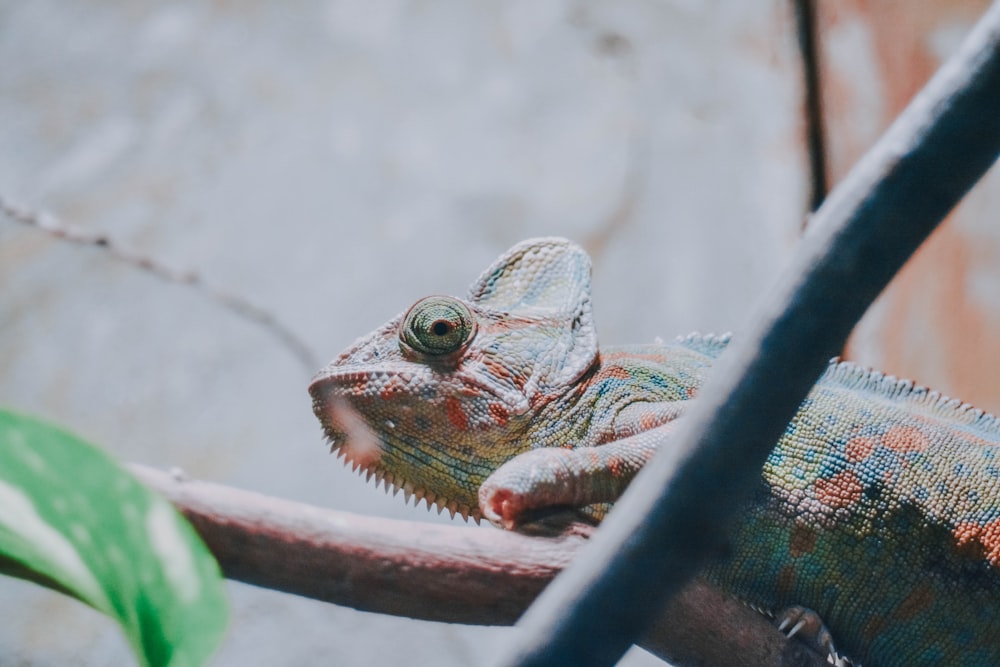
(879, 508)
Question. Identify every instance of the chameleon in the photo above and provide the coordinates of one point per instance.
(878, 509)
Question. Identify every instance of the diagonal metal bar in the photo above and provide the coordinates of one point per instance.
(677, 512)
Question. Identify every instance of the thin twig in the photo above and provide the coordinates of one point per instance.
(652, 542)
(51, 225)
(454, 574)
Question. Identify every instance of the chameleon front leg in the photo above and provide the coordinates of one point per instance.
(559, 476)
(551, 477)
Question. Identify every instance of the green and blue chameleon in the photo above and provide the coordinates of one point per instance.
(879, 508)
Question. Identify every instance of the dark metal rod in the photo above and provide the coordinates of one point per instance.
(809, 55)
(677, 512)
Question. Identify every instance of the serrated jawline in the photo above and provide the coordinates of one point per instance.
(396, 483)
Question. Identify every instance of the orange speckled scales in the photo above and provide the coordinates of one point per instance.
(879, 508)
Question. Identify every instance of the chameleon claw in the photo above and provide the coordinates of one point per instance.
(807, 626)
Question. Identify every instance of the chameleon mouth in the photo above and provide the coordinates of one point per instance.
(359, 446)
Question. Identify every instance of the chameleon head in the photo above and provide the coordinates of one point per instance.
(439, 397)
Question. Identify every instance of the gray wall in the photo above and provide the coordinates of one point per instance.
(331, 162)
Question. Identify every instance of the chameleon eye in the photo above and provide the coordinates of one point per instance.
(437, 325)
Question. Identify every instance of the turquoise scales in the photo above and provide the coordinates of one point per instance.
(879, 508)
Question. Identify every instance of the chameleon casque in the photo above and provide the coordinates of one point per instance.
(879, 508)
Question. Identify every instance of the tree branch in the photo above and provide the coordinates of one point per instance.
(454, 574)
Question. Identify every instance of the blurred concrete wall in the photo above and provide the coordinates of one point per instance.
(331, 162)
(939, 322)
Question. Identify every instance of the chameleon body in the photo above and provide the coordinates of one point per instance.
(879, 508)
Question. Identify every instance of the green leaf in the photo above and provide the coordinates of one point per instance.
(74, 520)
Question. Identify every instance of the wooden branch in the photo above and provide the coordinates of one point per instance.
(454, 574)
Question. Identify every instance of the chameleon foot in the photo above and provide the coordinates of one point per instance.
(806, 625)
(516, 500)
(539, 479)
(500, 507)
